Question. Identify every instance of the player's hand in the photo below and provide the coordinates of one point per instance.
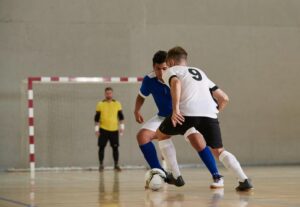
(138, 117)
(97, 134)
(121, 132)
(177, 118)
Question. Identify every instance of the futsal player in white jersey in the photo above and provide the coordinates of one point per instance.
(196, 101)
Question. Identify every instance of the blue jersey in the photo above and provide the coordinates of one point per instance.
(160, 92)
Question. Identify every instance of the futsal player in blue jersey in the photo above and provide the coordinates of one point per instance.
(153, 84)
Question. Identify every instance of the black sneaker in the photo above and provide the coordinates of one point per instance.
(171, 180)
(169, 177)
(117, 168)
(101, 168)
(244, 186)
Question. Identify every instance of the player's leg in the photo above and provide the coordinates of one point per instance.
(114, 143)
(232, 164)
(163, 133)
(212, 130)
(169, 153)
(197, 141)
(145, 137)
(102, 141)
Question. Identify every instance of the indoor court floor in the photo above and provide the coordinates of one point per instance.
(274, 187)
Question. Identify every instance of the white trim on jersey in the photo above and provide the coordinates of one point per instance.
(151, 75)
(195, 99)
(142, 95)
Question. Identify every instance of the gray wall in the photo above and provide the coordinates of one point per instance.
(250, 48)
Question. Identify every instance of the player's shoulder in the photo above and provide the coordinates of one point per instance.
(196, 68)
(116, 102)
(191, 67)
(104, 101)
(100, 102)
(150, 76)
(177, 69)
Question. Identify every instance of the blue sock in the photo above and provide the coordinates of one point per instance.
(150, 155)
(209, 160)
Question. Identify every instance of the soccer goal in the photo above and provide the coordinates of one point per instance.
(60, 120)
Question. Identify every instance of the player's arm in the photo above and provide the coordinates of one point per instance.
(140, 99)
(121, 120)
(221, 97)
(175, 86)
(97, 119)
(122, 127)
(138, 105)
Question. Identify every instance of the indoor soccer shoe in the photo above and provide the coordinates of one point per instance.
(171, 180)
(179, 181)
(117, 168)
(244, 186)
(169, 177)
(218, 182)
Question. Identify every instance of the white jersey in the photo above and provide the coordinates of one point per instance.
(195, 98)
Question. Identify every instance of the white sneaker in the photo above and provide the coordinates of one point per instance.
(218, 183)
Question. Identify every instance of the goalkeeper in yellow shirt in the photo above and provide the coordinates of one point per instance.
(109, 122)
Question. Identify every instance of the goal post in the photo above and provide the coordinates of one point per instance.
(30, 98)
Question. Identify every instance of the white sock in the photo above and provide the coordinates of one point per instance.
(165, 165)
(169, 153)
(232, 164)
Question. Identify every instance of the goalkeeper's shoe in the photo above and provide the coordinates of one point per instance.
(101, 168)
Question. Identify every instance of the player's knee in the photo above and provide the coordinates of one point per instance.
(144, 137)
(161, 136)
(217, 151)
(101, 148)
(115, 147)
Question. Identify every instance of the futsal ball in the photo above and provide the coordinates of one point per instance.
(154, 179)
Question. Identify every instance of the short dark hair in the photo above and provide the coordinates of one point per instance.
(108, 89)
(159, 57)
(177, 53)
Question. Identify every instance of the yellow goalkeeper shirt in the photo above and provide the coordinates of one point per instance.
(109, 114)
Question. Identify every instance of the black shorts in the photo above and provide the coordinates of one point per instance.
(112, 136)
(208, 127)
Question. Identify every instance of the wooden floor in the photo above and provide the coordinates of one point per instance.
(274, 187)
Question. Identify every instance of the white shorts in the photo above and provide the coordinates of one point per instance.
(153, 123)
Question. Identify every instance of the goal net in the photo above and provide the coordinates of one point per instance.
(61, 126)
